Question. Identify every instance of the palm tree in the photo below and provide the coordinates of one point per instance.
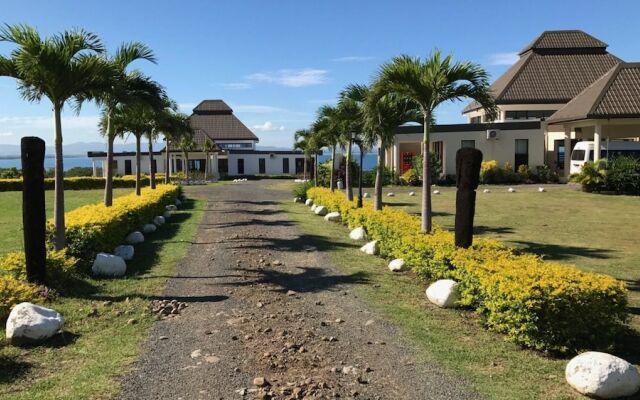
(187, 144)
(207, 147)
(382, 116)
(61, 68)
(429, 83)
(177, 126)
(327, 125)
(160, 121)
(350, 110)
(301, 141)
(124, 87)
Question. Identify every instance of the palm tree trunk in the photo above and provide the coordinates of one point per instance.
(315, 170)
(377, 204)
(138, 162)
(333, 167)
(347, 173)
(426, 177)
(186, 165)
(152, 174)
(58, 204)
(304, 168)
(108, 183)
(206, 165)
(167, 171)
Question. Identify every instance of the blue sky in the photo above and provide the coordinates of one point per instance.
(276, 62)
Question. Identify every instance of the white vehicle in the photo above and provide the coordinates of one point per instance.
(583, 152)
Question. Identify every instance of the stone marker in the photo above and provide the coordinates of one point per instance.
(390, 194)
(332, 216)
(412, 194)
(370, 248)
(321, 211)
(468, 162)
(149, 228)
(602, 375)
(511, 190)
(396, 265)
(443, 293)
(135, 238)
(308, 203)
(30, 323)
(125, 251)
(159, 220)
(108, 265)
(358, 234)
(541, 189)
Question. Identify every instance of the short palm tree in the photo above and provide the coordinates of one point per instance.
(61, 68)
(160, 120)
(187, 145)
(350, 114)
(176, 127)
(301, 141)
(429, 83)
(383, 114)
(208, 147)
(327, 125)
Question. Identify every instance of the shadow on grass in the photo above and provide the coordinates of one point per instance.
(557, 252)
(302, 242)
(61, 339)
(12, 369)
(633, 286)
(499, 230)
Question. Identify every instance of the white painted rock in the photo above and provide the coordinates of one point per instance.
(30, 323)
(308, 203)
(332, 216)
(436, 192)
(171, 207)
(443, 293)
(365, 195)
(370, 248)
(297, 200)
(511, 190)
(321, 211)
(159, 220)
(166, 215)
(135, 238)
(149, 228)
(390, 194)
(602, 375)
(486, 191)
(396, 265)
(541, 189)
(124, 251)
(412, 194)
(178, 203)
(358, 234)
(313, 208)
(108, 265)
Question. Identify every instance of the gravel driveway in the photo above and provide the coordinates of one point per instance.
(268, 316)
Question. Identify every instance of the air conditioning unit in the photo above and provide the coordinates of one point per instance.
(492, 134)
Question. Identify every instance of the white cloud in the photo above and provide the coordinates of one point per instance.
(503, 58)
(292, 78)
(352, 59)
(268, 126)
(322, 101)
(237, 86)
(257, 109)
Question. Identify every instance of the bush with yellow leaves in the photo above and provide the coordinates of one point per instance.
(59, 267)
(13, 291)
(541, 305)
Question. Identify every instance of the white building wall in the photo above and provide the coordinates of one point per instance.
(273, 164)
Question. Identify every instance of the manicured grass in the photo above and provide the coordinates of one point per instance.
(11, 216)
(453, 339)
(85, 360)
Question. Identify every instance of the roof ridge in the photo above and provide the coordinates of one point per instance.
(615, 72)
(515, 75)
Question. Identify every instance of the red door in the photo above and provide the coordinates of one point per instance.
(407, 159)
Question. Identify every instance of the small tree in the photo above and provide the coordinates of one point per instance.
(187, 145)
(207, 147)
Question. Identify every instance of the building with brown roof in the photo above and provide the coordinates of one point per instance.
(559, 76)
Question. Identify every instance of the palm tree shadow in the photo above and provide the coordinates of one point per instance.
(556, 252)
(12, 369)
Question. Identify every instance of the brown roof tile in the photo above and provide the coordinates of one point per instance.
(573, 39)
(615, 95)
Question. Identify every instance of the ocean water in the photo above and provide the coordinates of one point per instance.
(69, 162)
(369, 160)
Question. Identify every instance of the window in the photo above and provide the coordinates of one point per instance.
(262, 168)
(299, 165)
(468, 143)
(522, 153)
(179, 164)
(223, 165)
(241, 166)
(285, 165)
(235, 145)
(531, 114)
(475, 120)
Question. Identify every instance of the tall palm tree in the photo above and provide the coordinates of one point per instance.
(177, 126)
(302, 141)
(383, 114)
(327, 125)
(61, 68)
(124, 87)
(186, 145)
(160, 120)
(207, 147)
(350, 110)
(429, 83)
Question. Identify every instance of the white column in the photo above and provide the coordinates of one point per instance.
(597, 141)
(93, 165)
(104, 168)
(396, 156)
(567, 150)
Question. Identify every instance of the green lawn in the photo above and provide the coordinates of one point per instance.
(85, 360)
(11, 217)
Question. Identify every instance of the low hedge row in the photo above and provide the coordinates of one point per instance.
(14, 291)
(80, 183)
(541, 305)
(95, 228)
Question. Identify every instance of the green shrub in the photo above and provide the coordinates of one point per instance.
(623, 175)
(541, 305)
(300, 190)
(10, 173)
(13, 291)
(591, 176)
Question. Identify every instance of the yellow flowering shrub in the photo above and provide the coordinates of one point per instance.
(13, 291)
(94, 228)
(537, 304)
(59, 267)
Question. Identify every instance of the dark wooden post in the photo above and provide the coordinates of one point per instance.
(33, 212)
(468, 162)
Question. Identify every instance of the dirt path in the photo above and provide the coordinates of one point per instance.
(262, 303)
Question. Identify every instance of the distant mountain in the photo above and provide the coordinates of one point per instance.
(75, 149)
